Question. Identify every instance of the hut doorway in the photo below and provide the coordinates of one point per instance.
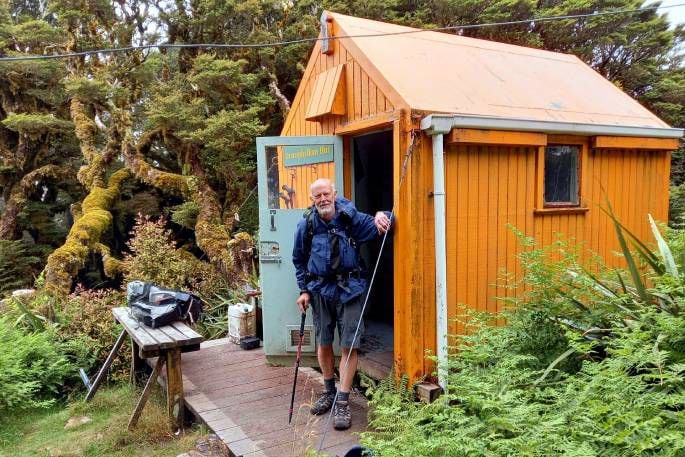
(372, 181)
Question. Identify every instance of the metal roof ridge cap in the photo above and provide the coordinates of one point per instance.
(443, 123)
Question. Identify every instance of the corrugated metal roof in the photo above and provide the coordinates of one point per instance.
(440, 72)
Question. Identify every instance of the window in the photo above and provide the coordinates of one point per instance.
(561, 185)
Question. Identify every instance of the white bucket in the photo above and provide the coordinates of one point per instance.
(241, 322)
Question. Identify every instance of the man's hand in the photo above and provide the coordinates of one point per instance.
(303, 301)
(382, 222)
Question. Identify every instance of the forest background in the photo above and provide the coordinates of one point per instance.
(89, 143)
(141, 164)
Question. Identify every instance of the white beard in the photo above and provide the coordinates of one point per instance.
(326, 212)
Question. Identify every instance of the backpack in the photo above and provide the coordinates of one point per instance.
(310, 213)
(155, 306)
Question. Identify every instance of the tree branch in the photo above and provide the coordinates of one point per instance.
(281, 99)
(66, 261)
(19, 195)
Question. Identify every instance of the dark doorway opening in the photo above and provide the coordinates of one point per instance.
(372, 191)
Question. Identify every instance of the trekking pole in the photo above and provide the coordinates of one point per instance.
(410, 149)
(297, 367)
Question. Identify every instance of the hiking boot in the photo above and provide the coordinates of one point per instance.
(342, 418)
(323, 404)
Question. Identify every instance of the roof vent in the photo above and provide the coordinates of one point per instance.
(328, 94)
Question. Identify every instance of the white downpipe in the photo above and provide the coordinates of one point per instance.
(440, 256)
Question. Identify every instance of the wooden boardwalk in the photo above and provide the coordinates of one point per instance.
(245, 402)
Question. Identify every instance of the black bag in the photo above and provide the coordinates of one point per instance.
(156, 307)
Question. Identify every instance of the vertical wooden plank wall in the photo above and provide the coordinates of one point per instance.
(414, 256)
(489, 187)
(364, 98)
(636, 182)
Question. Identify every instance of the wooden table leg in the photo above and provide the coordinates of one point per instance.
(137, 363)
(174, 389)
(102, 374)
(146, 393)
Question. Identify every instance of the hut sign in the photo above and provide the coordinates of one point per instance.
(305, 155)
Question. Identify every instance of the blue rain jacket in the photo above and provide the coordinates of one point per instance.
(313, 270)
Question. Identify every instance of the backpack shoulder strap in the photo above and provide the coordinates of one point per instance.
(347, 228)
(309, 233)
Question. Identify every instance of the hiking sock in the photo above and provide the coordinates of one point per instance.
(343, 396)
(329, 385)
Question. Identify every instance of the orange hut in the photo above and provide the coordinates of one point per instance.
(500, 135)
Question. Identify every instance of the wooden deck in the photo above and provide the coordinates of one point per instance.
(245, 402)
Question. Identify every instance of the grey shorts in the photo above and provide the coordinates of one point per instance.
(331, 313)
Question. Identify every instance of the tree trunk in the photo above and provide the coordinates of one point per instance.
(8, 219)
(211, 235)
(19, 193)
(281, 99)
(66, 261)
(93, 172)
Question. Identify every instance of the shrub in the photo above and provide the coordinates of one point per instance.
(88, 330)
(590, 363)
(677, 206)
(155, 258)
(34, 368)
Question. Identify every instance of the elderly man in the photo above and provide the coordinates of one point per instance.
(331, 278)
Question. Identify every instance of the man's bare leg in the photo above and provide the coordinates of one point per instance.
(326, 361)
(347, 372)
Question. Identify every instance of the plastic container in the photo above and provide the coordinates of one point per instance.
(241, 322)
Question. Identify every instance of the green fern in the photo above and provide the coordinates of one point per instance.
(18, 265)
(589, 364)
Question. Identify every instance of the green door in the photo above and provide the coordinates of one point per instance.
(286, 166)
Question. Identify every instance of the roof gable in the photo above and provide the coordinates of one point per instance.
(361, 93)
(445, 73)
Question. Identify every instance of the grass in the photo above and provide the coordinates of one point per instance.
(41, 432)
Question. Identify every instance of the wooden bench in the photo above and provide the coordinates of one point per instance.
(166, 343)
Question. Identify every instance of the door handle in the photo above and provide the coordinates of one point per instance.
(273, 219)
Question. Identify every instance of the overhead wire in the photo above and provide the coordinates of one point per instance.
(341, 37)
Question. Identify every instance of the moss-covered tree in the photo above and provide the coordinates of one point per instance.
(36, 150)
(38, 153)
(173, 130)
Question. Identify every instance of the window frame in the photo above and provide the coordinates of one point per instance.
(543, 207)
(562, 204)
